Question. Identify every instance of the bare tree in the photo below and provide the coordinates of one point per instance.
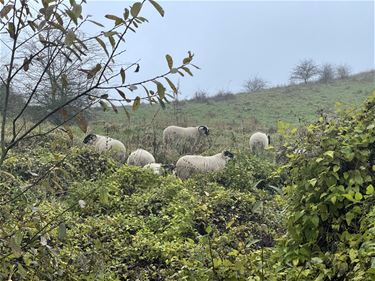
(21, 24)
(63, 78)
(255, 84)
(327, 73)
(305, 70)
(343, 71)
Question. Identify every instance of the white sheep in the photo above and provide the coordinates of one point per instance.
(259, 140)
(159, 169)
(140, 157)
(189, 165)
(189, 137)
(104, 143)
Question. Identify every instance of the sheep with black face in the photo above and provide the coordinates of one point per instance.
(190, 165)
(103, 144)
(186, 137)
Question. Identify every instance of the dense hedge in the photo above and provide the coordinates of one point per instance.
(89, 219)
(330, 193)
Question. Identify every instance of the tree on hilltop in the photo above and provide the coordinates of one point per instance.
(305, 71)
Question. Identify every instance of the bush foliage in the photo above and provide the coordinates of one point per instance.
(311, 218)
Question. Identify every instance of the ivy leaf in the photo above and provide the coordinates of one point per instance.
(329, 153)
(358, 196)
(157, 7)
(313, 182)
(370, 190)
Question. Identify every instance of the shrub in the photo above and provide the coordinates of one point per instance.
(331, 200)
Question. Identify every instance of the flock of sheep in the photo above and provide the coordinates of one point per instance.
(174, 136)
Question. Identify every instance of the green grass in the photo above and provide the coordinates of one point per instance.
(233, 120)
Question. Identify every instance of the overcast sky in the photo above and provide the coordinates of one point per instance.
(234, 40)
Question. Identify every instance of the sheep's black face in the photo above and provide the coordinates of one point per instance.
(228, 155)
(269, 139)
(204, 130)
(89, 139)
(169, 167)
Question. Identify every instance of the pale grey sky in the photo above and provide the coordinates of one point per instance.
(233, 40)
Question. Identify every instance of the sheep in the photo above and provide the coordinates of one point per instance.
(159, 169)
(188, 138)
(103, 144)
(140, 157)
(259, 139)
(189, 165)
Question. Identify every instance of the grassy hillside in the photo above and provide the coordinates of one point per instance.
(232, 118)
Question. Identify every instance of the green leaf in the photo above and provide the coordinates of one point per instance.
(127, 113)
(112, 41)
(135, 9)
(96, 23)
(169, 61)
(370, 190)
(62, 231)
(5, 10)
(157, 7)
(170, 83)
(187, 60)
(349, 217)
(160, 89)
(117, 20)
(114, 108)
(69, 38)
(11, 30)
(72, 16)
(136, 103)
(102, 44)
(92, 72)
(126, 13)
(313, 182)
(122, 74)
(122, 94)
(77, 10)
(329, 153)
(187, 70)
(358, 196)
(208, 229)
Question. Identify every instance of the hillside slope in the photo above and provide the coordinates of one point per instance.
(292, 104)
(233, 118)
